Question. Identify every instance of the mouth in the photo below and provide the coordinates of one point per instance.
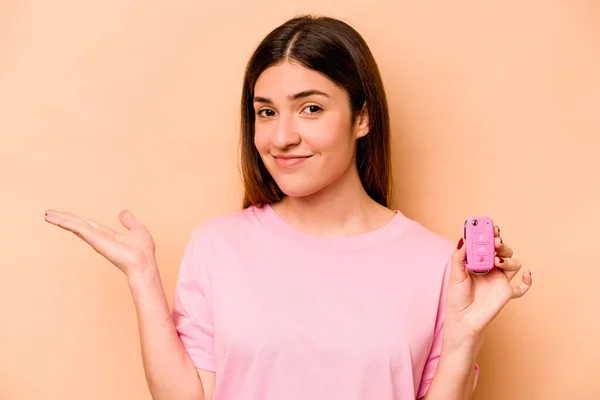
(290, 161)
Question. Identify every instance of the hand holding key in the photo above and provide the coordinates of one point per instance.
(475, 300)
(131, 251)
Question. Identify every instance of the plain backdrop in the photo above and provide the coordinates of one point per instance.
(115, 104)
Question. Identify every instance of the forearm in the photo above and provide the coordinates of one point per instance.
(455, 375)
(169, 371)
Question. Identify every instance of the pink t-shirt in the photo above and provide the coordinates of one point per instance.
(280, 314)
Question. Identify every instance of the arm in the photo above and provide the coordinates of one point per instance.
(473, 302)
(169, 370)
(454, 377)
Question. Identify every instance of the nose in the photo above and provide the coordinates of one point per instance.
(285, 133)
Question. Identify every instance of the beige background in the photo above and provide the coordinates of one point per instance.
(111, 104)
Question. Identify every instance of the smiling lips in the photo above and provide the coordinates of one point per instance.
(290, 161)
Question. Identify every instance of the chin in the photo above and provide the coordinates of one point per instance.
(293, 188)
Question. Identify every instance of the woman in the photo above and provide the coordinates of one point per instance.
(316, 289)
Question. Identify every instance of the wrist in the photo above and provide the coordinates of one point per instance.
(459, 356)
(461, 342)
(143, 274)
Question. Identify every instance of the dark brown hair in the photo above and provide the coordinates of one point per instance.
(338, 51)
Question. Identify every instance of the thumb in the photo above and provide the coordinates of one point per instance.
(129, 221)
(459, 271)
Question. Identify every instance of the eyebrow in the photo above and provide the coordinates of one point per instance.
(305, 93)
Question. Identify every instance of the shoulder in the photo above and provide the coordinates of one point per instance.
(220, 237)
(422, 238)
(427, 249)
(232, 224)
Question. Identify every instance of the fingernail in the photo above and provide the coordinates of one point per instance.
(460, 244)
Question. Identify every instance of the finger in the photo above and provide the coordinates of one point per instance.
(111, 233)
(105, 230)
(130, 222)
(101, 243)
(496, 231)
(99, 227)
(67, 222)
(458, 272)
(502, 249)
(523, 287)
(510, 266)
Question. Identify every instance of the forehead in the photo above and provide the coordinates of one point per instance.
(288, 78)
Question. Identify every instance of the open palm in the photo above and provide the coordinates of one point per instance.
(128, 251)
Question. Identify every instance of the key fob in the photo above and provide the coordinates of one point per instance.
(479, 242)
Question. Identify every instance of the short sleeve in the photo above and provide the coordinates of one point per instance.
(436, 346)
(191, 308)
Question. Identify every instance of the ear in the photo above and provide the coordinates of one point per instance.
(361, 125)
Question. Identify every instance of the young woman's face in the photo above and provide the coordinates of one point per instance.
(303, 131)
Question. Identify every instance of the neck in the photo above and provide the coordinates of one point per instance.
(341, 209)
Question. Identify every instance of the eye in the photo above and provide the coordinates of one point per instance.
(313, 109)
(269, 113)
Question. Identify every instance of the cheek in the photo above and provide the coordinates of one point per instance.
(261, 140)
(333, 140)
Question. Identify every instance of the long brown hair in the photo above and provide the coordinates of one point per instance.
(335, 49)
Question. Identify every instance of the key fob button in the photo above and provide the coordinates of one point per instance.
(482, 259)
(480, 238)
(481, 249)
